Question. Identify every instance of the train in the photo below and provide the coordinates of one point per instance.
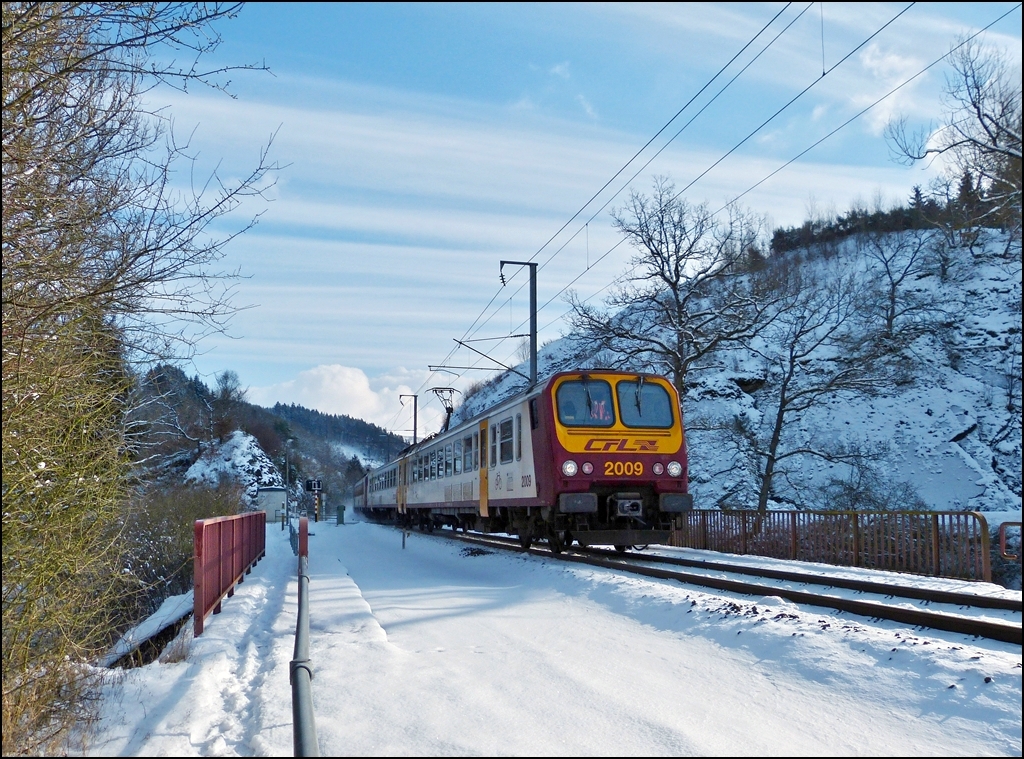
(596, 456)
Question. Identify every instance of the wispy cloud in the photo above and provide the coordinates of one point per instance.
(561, 70)
(587, 107)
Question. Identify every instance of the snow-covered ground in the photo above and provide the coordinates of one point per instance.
(439, 649)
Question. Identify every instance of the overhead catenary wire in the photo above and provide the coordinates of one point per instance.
(794, 99)
(826, 71)
(633, 158)
(704, 173)
(787, 163)
(469, 331)
(477, 324)
(660, 150)
(743, 141)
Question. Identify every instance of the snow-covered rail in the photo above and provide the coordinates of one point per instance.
(886, 604)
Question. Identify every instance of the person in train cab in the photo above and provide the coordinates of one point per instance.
(599, 411)
(568, 411)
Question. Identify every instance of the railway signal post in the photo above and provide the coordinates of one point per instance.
(315, 487)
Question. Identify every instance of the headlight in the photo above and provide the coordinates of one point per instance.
(569, 468)
(658, 468)
(675, 468)
(588, 468)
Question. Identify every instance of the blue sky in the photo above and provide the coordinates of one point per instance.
(422, 144)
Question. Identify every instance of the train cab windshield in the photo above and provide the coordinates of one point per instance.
(585, 403)
(644, 404)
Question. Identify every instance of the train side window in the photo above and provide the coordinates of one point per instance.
(448, 460)
(519, 437)
(494, 445)
(507, 435)
(533, 414)
(467, 453)
(458, 458)
(476, 451)
(433, 465)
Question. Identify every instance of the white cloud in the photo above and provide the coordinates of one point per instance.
(337, 389)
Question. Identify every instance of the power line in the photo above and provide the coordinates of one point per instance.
(761, 126)
(792, 160)
(658, 153)
(469, 330)
(747, 138)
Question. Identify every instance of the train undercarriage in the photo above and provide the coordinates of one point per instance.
(607, 516)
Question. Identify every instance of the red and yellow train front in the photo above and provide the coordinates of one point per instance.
(619, 448)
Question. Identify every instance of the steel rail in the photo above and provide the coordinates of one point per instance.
(864, 586)
(1008, 633)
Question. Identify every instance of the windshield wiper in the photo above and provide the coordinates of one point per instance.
(586, 389)
(639, 386)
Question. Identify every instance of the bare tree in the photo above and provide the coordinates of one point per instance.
(684, 297)
(228, 395)
(981, 130)
(811, 353)
(898, 260)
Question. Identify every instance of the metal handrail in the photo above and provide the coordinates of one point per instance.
(304, 742)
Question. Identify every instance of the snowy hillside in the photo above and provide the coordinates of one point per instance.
(940, 427)
(239, 458)
(943, 432)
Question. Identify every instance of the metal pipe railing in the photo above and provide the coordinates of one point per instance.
(304, 740)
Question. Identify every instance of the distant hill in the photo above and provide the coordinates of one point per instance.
(368, 441)
(181, 422)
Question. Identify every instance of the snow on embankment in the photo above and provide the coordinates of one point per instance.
(239, 458)
(946, 435)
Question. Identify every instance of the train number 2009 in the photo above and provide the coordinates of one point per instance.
(619, 468)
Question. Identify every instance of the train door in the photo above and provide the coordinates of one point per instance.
(483, 469)
(402, 496)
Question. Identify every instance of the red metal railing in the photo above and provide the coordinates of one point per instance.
(942, 543)
(225, 550)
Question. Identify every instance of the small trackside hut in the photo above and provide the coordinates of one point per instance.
(595, 456)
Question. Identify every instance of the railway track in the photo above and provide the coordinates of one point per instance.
(773, 582)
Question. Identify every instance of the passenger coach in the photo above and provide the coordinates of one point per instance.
(596, 456)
